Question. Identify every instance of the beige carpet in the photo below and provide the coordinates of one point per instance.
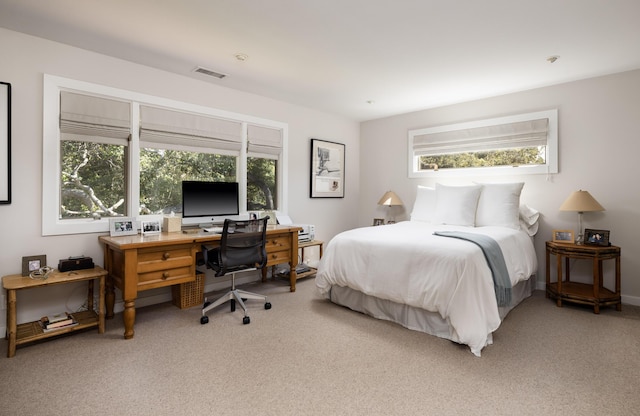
(307, 356)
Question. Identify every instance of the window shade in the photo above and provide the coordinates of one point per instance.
(522, 134)
(158, 125)
(93, 116)
(264, 140)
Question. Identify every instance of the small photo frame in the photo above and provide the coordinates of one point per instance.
(378, 221)
(150, 227)
(122, 226)
(596, 237)
(32, 263)
(563, 236)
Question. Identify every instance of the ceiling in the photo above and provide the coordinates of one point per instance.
(361, 59)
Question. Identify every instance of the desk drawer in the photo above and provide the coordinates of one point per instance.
(165, 266)
(278, 243)
(166, 277)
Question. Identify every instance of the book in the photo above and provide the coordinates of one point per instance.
(57, 317)
(57, 322)
(60, 327)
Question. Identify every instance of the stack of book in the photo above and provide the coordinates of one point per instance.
(58, 321)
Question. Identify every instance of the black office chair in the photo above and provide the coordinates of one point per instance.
(242, 247)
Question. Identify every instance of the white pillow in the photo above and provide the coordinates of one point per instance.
(425, 206)
(529, 219)
(456, 205)
(499, 205)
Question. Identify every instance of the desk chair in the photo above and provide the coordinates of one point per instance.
(242, 247)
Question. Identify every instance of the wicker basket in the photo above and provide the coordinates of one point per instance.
(190, 294)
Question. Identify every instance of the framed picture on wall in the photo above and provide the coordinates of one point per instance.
(327, 169)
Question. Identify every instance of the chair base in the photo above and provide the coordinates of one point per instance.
(234, 295)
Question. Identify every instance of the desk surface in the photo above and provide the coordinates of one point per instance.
(136, 241)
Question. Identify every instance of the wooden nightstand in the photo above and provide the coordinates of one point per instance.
(589, 294)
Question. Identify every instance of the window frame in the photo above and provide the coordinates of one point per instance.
(51, 186)
(551, 165)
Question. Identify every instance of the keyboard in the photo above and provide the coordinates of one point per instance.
(217, 230)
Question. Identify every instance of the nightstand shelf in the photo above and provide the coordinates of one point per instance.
(594, 294)
(301, 246)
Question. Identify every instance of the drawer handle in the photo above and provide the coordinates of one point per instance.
(165, 275)
(166, 255)
(274, 256)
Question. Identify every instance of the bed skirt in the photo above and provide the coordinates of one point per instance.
(416, 318)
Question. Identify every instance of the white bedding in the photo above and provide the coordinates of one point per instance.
(405, 263)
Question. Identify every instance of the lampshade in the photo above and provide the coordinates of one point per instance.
(581, 201)
(390, 199)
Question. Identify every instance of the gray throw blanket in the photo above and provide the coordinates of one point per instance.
(495, 260)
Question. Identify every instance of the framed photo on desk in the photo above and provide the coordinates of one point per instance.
(122, 226)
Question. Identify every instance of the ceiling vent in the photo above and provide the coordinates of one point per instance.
(209, 72)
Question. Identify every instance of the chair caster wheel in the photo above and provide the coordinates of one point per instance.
(267, 305)
(204, 320)
(233, 305)
(246, 320)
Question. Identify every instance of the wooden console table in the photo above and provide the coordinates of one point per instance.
(32, 331)
(136, 263)
(589, 294)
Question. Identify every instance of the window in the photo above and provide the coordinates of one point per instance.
(111, 152)
(528, 142)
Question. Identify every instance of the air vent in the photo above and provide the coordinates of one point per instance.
(209, 72)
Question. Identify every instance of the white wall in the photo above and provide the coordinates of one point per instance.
(599, 148)
(24, 61)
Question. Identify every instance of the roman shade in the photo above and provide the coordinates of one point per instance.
(88, 115)
(264, 140)
(531, 133)
(159, 125)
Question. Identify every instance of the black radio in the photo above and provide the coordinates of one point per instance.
(75, 263)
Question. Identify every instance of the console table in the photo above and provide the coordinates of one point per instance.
(594, 294)
(142, 262)
(32, 331)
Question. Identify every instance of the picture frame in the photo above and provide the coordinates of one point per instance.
(33, 263)
(150, 227)
(378, 221)
(596, 237)
(327, 169)
(5, 143)
(563, 236)
(122, 226)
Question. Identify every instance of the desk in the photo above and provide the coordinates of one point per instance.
(32, 331)
(136, 263)
(589, 294)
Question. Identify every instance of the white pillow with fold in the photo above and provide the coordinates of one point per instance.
(499, 205)
(456, 205)
(529, 219)
(425, 206)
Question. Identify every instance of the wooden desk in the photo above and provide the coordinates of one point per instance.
(136, 263)
(32, 331)
(589, 294)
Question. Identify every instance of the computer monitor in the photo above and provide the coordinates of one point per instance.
(206, 203)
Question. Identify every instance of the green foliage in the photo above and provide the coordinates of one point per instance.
(94, 180)
(508, 157)
(162, 172)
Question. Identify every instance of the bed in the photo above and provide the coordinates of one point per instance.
(436, 284)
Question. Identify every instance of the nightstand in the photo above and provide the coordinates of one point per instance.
(594, 294)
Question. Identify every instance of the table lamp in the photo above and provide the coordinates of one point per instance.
(581, 201)
(390, 199)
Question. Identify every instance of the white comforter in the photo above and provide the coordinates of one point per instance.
(407, 264)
